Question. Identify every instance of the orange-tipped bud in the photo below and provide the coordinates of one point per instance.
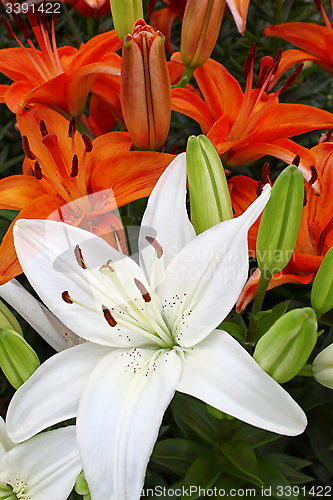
(145, 87)
(201, 27)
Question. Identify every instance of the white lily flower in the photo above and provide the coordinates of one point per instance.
(44, 467)
(151, 331)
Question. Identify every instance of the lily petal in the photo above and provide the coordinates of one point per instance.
(119, 417)
(52, 393)
(166, 220)
(221, 373)
(203, 281)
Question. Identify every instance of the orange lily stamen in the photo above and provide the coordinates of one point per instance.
(323, 13)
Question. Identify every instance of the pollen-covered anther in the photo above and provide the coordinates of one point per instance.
(314, 175)
(155, 244)
(79, 257)
(248, 63)
(276, 61)
(75, 166)
(259, 189)
(43, 129)
(72, 126)
(262, 77)
(296, 160)
(26, 148)
(38, 171)
(22, 25)
(108, 316)
(305, 199)
(87, 142)
(291, 79)
(8, 27)
(143, 290)
(66, 297)
(265, 174)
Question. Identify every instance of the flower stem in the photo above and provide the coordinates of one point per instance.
(306, 371)
(188, 72)
(257, 305)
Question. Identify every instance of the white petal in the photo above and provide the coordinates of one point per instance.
(52, 393)
(48, 463)
(221, 373)
(6, 444)
(38, 316)
(46, 253)
(166, 219)
(119, 417)
(204, 280)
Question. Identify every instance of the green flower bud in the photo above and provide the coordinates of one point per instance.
(124, 15)
(18, 360)
(322, 289)
(280, 222)
(285, 348)
(322, 367)
(209, 194)
(81, 486)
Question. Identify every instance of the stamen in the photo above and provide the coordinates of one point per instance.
(79, 257)
(259, 189)
(42, 18)
(155, 244)
(265, 174)
(276, 61)
(43, 129)
(108, 316)
(26, 148)
(8, 27)
(72, 126)
(248, 64)
(65, 296)
(305, 199)
(291, 79)
(87, 142)
(318, 4)
(296, 160)
(314, 175)
(75, 166)
(38, 171)
(22, 25)
(143, 290)
(262, 77)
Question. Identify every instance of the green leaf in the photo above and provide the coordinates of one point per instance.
(295, 462)
(242, 456)
(234, 330)
(177, 454)
(253, 436)
(321, 435)
(273, 480)
(203, 473)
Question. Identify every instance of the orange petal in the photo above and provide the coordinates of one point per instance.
(15, 93)
(101, 119)
(186, 102)
(108, 145)
(17, 191)
(16, 64)
(238, 9)
(162, 20)
(3, 90)
(95, 49)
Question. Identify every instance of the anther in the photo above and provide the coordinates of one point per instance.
(265, 174)
(8, 27)
(22, 25)
(38, 171)
(314, 175)
(248, 63)
(43, 129)
(262, 77)
(66, 298)
(42, 18)
(259, 188)
(276, 61)
(26, 148)
(79, 257)
(296, 160)
(291, 79)
(318, 4)
(305, 199)
(155, 244)
(143, 290)
(72, 126)
(75, 166)
(87, 142)
(108, 316)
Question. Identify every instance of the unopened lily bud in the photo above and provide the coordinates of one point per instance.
(280, 222)
(285, 348)
(209, 193)
(322, 289)
(145, 87)
(124, 15)
(322, 367)
(200, 29)
(18, 360)
(81, 486)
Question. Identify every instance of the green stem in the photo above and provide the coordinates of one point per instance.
(188, 72)
(92, 26)
(306, 371)
(257, 305)
(278, 13)
(72, 25)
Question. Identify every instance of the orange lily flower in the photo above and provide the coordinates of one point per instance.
(75, 180)
(245, 127)
(315, 40)
(315, 236)
(90, 8)
(60, 78)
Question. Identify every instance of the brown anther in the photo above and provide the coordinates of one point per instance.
(87, 142)
(38, 171)
(276, 61)
(155, 244)
(72, 126)
(54, 17)
(43, 129)
(314, 175)
(8, 27)
(66, 298)
(305, 199)
(22, 25)
(42, 17)
(108, 316)
(265, 174)
(296, 160)
(248, 63)
(253, 49)
(75, 166)
(79, 257)
(291, 79)
(26, 148)
(262, 77)
(259, 189)
(318, 4)
(143, 290)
